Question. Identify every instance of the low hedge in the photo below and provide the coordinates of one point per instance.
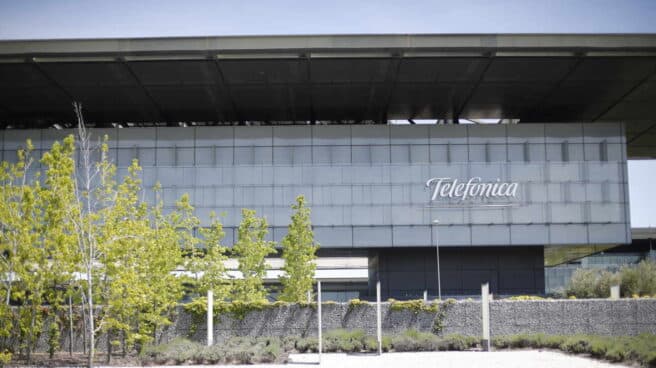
(233, 351)
(640, 349)
(243, 350)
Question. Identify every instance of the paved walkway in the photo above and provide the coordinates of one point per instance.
(467, 359)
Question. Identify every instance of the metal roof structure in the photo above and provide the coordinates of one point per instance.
(335, 78)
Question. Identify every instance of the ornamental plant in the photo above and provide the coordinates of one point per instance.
(299, 253)
(251, 250)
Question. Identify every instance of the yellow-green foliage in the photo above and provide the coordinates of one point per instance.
(239, 309)
(354, 303)
(250, 250)
(525, 297)
(299, 253)
(210, 262)
(416, 306)
(53, 338)
(5, 358)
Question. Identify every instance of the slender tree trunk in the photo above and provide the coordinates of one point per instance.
(84, 330)
(9, 288)
(92, 341)
(31, 335)
(125, 351)
(70, 325)
(109, 347)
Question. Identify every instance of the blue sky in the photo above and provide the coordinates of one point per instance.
(120, 18)
(30, 19)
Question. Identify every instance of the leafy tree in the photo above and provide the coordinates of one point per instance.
(127, 250)
(299, 252)
(22, 259)
(141, 288)
(251, 250)
(38, 251)
(209, 266)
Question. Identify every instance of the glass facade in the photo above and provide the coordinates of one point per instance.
(366, 183)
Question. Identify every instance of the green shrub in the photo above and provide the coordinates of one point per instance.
(178, 351)
(501, 342)
(577, 344)
(413, 340)
(403, 343)
(370, 344)
(344, 340)
(214, 354)
(288, 343)
(458, 342)
(592, 283)
(550, 341)
(615, 354)
(428, 342)
(634, 280)
(307, 344)
(639, 279)
(240, 355)
(640, 349)
(387, 343)
(528, 341)
(270, 353)
(238, 350)
(599, 346)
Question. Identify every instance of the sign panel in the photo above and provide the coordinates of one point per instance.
(471, 190)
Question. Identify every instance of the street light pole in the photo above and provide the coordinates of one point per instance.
(437, 250)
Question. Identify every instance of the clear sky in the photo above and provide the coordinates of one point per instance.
(131, 18)
(29, 19)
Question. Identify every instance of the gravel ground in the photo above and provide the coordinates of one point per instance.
(467, 359)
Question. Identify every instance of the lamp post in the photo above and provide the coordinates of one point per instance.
(437, 251)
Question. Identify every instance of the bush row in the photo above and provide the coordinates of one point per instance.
(640, 349)
(635, 280)
(244, 350)
(233, 351)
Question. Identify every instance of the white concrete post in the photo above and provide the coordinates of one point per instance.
(309, 296)
(210, 318)
(319, 317)
(425, 296)
(485, 311)
(615, 292)
(379, 320)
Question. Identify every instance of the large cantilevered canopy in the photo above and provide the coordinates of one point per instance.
(353, 78)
